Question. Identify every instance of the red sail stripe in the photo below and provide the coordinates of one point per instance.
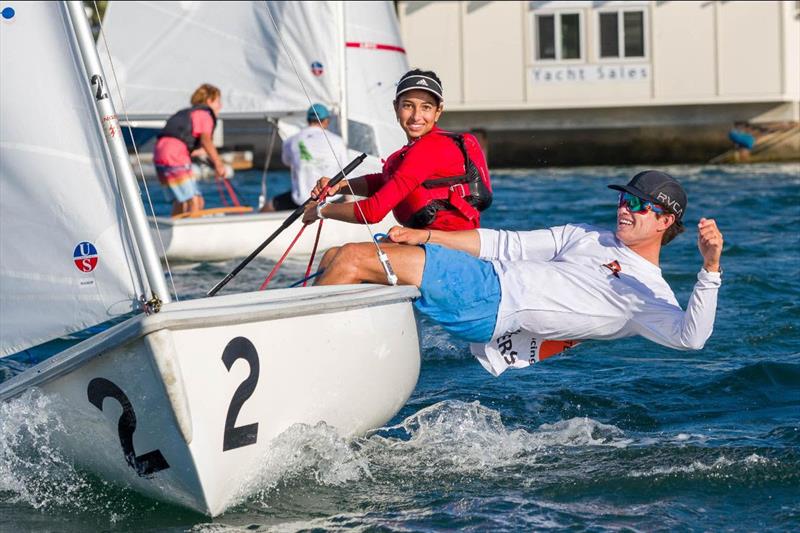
(376, 46)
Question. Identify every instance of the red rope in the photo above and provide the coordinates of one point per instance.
(224, 181)
(231, 192)
(313, 253)
(221, 193)
(280, 261)
(322, 196)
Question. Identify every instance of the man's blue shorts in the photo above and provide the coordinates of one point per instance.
(460, 292)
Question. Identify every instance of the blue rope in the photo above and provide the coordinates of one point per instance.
(314, 275)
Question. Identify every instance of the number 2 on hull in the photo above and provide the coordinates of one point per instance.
(146, 464)
(236, 437)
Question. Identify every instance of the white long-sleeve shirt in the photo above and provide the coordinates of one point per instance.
(560, 284)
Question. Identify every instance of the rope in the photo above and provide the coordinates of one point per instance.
(136, 152)
(305, 279)
(280, 261)
(231, 192)
(221, 192)
(286, 253)
(313, 252)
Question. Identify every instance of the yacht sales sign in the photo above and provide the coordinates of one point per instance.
(627, 72)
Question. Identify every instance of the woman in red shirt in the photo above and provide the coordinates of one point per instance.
(439, 180)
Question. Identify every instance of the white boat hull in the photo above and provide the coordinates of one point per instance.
(233, 236)
(182, 405)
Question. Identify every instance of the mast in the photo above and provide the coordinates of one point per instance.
(343, 126)
(131, 196)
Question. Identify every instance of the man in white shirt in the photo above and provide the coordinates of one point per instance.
(509, 291)
(308, 153)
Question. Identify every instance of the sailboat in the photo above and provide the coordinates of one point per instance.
(348, 56)
(177, 400)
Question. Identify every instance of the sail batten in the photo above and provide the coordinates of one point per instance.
(66, 258)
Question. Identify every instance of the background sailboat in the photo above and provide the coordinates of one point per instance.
(348, 56)
(181, 400)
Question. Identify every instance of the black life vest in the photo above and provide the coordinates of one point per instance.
(466, 193)
(179, 126)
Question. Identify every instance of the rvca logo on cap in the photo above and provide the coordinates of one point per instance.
(664, 199)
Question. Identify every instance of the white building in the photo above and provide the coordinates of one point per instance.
(636, 71)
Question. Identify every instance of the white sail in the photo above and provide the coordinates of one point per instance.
(65, 255)
(164, 50)
(375, 61)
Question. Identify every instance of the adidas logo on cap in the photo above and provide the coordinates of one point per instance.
(418, 82)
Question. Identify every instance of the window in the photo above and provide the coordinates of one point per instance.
(570, 36)
(609, 35)
(634, 33)
(545, 24)
(558, 36)
(621, 32)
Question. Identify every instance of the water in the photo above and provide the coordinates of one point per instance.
(615, 435)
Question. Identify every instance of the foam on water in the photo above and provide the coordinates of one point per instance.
(437, 344)
(449, 439)
(33, 471)
(30, 466)
(305, 454)
(473, 436)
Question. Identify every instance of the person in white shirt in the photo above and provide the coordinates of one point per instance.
(509, 291)
(308, 154)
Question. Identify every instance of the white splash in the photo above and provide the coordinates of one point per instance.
(36, 473)
(30, 466)
(303, 453)
(695, 466)
(454, 437)
(450, 438)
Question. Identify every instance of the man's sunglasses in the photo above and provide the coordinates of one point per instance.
(636, 204)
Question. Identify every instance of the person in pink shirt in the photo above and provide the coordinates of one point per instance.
(188, 131)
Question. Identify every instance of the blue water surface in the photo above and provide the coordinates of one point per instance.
(623, 435)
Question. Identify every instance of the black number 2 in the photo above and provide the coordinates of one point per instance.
(236, 437)
(145, 465)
